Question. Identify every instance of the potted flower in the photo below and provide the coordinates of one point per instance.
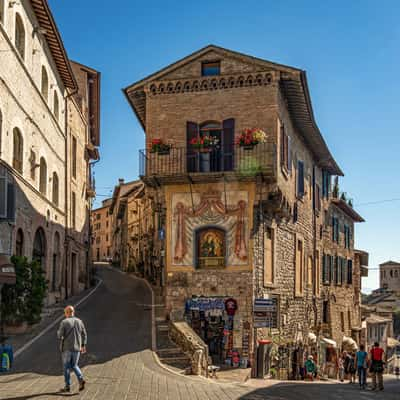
(204, 144)
(250, 137)
(157, 146)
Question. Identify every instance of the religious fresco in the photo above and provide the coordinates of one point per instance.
(220, 214)
(210, 248)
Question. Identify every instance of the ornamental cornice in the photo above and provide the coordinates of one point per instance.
(209, 83)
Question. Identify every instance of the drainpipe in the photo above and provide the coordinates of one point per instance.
(66, 240)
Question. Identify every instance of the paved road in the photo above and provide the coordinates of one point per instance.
(120, 365)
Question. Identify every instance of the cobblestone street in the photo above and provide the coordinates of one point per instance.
(120, 364)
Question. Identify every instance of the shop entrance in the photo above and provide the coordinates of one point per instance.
(212, 318)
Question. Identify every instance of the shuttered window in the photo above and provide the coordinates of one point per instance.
(326, 183)
(335, 229)
(3, 196)
(300, 179)
(331, 269)
(286, 154)
(350, 272)
(325, 269)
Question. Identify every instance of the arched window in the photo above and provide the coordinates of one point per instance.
(19, 243)
(44, 88)
(18, 150)
(43, 176)
(39, 247)
(56, 107)
(20, 36)
(56, 261)
(55, 189)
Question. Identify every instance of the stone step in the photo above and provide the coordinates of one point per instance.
(170, 350)
(174, 359)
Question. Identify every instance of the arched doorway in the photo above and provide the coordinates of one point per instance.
(55, 261)
(39, 247)
(19, 243)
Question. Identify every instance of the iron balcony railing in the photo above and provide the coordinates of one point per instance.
(179, 161)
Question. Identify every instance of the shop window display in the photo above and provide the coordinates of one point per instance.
(212, 318)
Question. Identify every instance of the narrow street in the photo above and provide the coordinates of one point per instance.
(120, 364)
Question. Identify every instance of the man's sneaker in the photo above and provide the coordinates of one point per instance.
(81, 384)
(65, 389)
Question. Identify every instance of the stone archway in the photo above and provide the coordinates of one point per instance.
(39, 247)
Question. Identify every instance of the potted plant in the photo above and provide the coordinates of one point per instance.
(250, 137)
(204, 144)
(159, 147)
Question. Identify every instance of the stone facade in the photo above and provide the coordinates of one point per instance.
(265, 205)
(101, 232)
(38, 117)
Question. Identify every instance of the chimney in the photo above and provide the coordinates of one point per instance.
(121, 181)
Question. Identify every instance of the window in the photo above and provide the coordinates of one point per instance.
(350, 272)
(326, 183)
(98, 240)
(268, 256)
(44, 88)
(343, 276)
(74, 149)
(98, 216)
(299, 268)
(210, 68)
(300, 179)
(325, 269)
(7, 195)
(286, 160)
(325, 312)
(56, 106)
(335, 229)
(55, 189)
(43, 177)
(73, 211)
(317, 198)
(18, 150)
(347, 236)
(39, 247)
(317, 277)
(19, 36)
(19, 243)
(310, 272)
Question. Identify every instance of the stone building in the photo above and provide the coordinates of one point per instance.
(43, 205)
(101, 232)
(390, 276)
(240, 178)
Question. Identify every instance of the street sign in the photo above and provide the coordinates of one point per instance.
(265, 313)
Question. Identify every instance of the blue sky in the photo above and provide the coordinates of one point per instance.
(350, 51)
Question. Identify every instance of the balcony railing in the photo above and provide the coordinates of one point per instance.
(236, 161)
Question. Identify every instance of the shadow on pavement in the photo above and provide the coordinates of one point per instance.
(27, 397)
(118, 321)
(325, 391)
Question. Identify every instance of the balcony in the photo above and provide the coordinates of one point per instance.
(186, 165)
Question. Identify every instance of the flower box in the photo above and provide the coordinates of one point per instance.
(157, 146)
(250, 137)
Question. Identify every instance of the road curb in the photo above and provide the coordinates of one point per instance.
(49, 327)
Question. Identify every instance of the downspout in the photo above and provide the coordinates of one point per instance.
(66, 240)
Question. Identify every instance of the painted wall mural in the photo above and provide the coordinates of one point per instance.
(212, 222)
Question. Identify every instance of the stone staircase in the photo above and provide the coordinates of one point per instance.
(167, 351)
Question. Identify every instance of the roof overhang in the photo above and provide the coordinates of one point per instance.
(349, 211)
(54, 41)
(7, 271)
(298, 99)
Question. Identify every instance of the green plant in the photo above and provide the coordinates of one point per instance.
(24, 301)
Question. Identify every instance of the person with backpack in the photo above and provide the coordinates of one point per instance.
(377, 366)
(73, 339)
(362, 364)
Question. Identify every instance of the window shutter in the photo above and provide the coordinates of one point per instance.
(192, 131)
(300, 178)
(3, 196)
(325, 274)
(289, 154)
(332, 268)
(350, 272)
(11, 201)
(228, 140)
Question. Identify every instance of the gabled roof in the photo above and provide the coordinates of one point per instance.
(54, 41)
(293, 85)
(389, 263)
(122, 190)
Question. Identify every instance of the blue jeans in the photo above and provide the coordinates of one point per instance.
(70, 361)
(362, 376)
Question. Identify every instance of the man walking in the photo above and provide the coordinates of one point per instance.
(377, 366)
(73, 337)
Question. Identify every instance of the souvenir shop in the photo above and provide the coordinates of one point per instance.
(213, 319)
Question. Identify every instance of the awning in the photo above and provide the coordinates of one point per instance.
(7, 271)
(329, 341)
(392, 342)
(312, 337)
(350, 343)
